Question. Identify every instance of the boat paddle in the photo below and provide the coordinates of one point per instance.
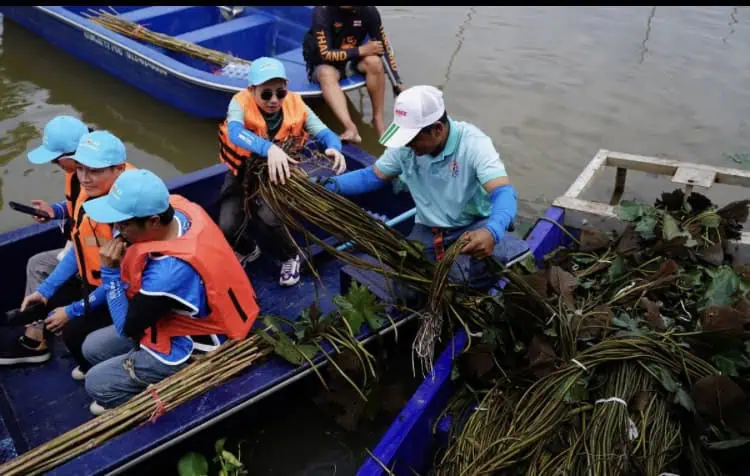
(391, 76)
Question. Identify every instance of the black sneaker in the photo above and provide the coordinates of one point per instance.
(24, 351)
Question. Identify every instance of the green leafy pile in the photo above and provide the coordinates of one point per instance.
(626, 354)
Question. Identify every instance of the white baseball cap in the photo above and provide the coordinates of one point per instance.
(415, 108)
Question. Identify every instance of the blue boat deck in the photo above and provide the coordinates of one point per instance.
(39, 402)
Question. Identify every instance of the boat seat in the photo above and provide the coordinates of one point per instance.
(247, 36)
(149, 13)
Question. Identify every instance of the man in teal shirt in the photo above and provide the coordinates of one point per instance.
(456, 178)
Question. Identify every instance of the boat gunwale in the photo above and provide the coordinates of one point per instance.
(178, 69)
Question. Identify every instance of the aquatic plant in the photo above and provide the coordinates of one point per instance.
(635, 362)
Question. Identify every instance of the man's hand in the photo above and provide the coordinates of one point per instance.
(32, 298)
(278, 165)
(45, 207)
(480, 243)
(112, 252)
(371, 48)
(339, 162)
(57, 320)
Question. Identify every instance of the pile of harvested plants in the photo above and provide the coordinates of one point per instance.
(113, 21)
(203, 374)
(636, 360)
(300, 202)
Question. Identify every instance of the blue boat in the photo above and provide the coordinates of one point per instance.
(194, 86)
(422, 428)
(40, 402)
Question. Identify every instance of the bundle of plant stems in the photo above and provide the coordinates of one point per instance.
(641, 363)
(300, 202)
(203, 374)
(113, 21)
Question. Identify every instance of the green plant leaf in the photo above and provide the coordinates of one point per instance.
(617, 268)
(684, 399)
(219, 445)
(360, 306)
(727, 444)
(231, 459)
(722, 287)
(192, 464)
(646, 226)
(710, 220)
(671, 228)
(630, 210)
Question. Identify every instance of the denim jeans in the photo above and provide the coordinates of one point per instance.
(121, 369)
(466, 269)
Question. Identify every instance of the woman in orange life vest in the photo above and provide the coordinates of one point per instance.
(171, 280)
(59, 142)
(79, 310)
(258, 118)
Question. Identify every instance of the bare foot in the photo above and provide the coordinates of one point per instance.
(351, 135)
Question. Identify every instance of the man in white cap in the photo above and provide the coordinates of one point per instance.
(457, 179)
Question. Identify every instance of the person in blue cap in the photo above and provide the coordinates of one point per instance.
(59, 142)
(267, 122)
(78, 310)
(458, 181)
(173, 287)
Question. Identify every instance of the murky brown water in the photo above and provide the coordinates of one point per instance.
(551, 85)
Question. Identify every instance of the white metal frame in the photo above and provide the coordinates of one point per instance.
(580, 212)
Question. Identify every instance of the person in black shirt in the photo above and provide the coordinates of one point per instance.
(334, 48)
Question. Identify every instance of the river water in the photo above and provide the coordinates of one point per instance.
(550, 85)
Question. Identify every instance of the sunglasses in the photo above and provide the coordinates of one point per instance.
(267, 94)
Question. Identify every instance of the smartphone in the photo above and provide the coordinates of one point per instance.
(20, 207)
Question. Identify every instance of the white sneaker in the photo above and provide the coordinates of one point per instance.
(96, 409)
(290, 270)
(77, 374)
(248, 258)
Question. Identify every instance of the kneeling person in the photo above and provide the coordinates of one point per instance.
(171, 278)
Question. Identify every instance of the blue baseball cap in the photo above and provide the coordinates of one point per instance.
(135, 193)
(61, 136)
(100, 149)
(264, 69)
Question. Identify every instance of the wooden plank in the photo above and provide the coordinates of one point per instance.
(689, 175)
(581, 213)
(655, 165)
(592, 170)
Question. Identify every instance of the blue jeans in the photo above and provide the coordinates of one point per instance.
(120, 369)
(466, 269)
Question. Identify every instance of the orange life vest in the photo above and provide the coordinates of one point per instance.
(87, 237)
(231, 297)
(292, 128)
(72, 191)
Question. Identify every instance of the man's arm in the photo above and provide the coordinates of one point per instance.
(320, 132)
(240, 136)
(65, 269)
(368, 179)
(96, 299)
(491, 173)
(376, 31)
